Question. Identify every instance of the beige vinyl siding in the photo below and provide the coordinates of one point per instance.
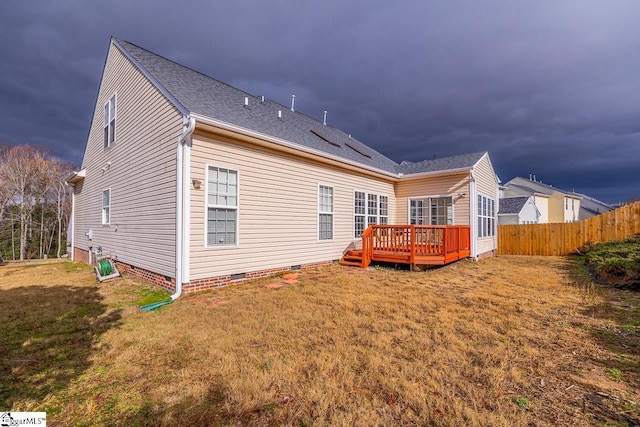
(141, 175)
(557, 210)
(542, 203)
(434, 186)
(486, 185)
(278, 208)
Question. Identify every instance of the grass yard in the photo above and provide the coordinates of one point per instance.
(507, 341)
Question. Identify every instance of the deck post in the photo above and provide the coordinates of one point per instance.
(444, 243)
(412, 259)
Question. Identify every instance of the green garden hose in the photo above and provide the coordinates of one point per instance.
(104, 267)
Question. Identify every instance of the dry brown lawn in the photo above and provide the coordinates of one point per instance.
(507, 341)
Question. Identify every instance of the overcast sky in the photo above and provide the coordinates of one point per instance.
(550, 88)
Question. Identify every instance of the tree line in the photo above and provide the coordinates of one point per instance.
(35, 203)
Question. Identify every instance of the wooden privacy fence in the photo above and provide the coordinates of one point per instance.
(563, 238)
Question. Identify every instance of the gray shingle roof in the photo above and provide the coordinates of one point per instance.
(194, 92)
(211, 98)
(512, 205)
(461, 161)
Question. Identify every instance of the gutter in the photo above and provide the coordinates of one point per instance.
(287, 144)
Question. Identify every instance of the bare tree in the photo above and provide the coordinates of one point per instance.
(21, 174)
(61, 197)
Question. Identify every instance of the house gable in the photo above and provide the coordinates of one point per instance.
(138, 168)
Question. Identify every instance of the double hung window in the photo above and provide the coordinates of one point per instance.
(325, 212)
(106, 206)
(222, 206)
(486, 217)
(110, 122)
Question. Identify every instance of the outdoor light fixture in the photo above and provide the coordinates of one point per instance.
(196, 184)
(461, 194)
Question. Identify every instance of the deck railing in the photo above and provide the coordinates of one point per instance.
(414, 241)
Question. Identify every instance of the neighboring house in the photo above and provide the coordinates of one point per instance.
(518, 210)
(554, 205)
(590, 207)
(191, 183)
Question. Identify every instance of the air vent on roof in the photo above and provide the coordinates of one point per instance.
(321, 136)
(324, 121)
(293, 102)
(357, 150)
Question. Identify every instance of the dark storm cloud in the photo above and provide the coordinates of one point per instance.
(549, 88)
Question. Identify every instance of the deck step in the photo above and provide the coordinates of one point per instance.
(350, 263)
(352, 258)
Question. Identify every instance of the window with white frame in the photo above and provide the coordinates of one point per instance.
(325, 212)
(359, 213)
(222, 206)
(486, 217)
(110, 122)
(417, 211)
(372, 209)
(431, 210)
(369, 209)
(441, 210)
(384, 210)
(106, 206)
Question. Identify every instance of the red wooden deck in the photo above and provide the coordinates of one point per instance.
(411, 244)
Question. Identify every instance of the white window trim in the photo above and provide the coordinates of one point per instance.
(108, 206)
(206, 207)
(433, 196)
(114, 96)
(366, 211)
(333, 213)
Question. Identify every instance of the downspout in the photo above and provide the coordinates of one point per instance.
(473, 216)
(189, 125)
(73, 220)
(182, 212)
(495, 219)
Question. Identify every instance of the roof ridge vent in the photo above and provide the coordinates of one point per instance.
(293, 102)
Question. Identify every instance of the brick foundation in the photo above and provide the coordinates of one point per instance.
(217, 282)
(165, 282)
(487, 254)
(169, 283)
(80, 255)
